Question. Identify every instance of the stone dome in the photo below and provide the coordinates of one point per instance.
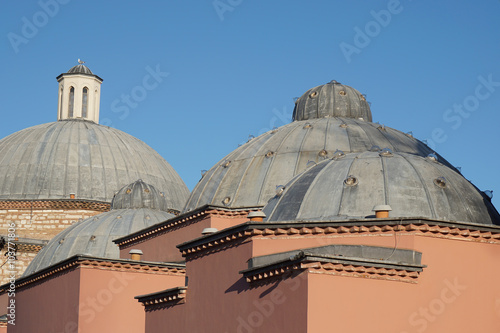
(350, 185)
(80, 69)
(332, 100)
(249, 175)
(94, 236)
(52, 160)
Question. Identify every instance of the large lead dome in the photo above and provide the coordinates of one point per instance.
(76, 155)
(249, 175)
(52, 160)
(349, 186)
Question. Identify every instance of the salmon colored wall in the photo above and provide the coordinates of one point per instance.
(220, 300)
(163, 247)
(270, 245)
(107, 301)
(51, 306)
(457, 292)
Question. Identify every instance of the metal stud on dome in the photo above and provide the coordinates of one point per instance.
(433, 157)
(440, 182)
(386, 152)
(279, 190)
(351, 181)
(323, 153)
(226, 201)
(338, 154)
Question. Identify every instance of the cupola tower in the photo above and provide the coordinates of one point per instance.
(79, 94)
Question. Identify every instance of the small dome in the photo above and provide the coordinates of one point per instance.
(139, 195)
(332, 100)
(53, 160)
(249, 175)
(80, 69)
(349, 186)
(94, 236)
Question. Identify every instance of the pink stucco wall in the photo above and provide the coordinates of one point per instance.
(49, 306)
(88, 300)
(162, 248)
(457, 292)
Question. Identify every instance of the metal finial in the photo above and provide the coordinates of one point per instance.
(80, 61)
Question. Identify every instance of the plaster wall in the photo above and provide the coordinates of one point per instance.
(219, 300)
(107, 301)
(457, 292)
(163, 248)
(42, 306)
(270, 245)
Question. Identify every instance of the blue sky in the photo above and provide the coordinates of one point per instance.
(231, 68)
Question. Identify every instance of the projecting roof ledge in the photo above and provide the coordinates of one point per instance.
(354, 254)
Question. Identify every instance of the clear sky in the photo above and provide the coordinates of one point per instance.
(228, 69)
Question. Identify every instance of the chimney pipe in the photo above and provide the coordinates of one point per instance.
(135, 254)
(256, 216)
(382, 211)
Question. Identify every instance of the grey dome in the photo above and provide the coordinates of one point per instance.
(350, 186)
(94, 236)
(139, 195)
(249, 175)
(80, 69)
(332, 100)
(52, 160)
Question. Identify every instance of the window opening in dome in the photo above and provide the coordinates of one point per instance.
(226, 164)
(342, 93)
(363, 97)
(351, 181)
(279, 190)
(489, 194)
(226, 200)
(71, 102)
(313, 94)
(307, 125)
(433, 157)
(375, 148)
(410, 134)
(146, 190)
(84, 102)
(343, 125)
(338, 154)
(269, 154)
(386, 152)
(440, 182)
(323, 153)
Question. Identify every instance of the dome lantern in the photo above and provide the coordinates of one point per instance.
(79, 94)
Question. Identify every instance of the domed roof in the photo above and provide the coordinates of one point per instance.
(249, 175)
(80, 69)
(139, 195)
(350, 186)
(94, 236)
(52, 160)
(332, 100)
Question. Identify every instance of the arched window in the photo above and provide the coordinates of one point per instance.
(71, 102)
(84, 102)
